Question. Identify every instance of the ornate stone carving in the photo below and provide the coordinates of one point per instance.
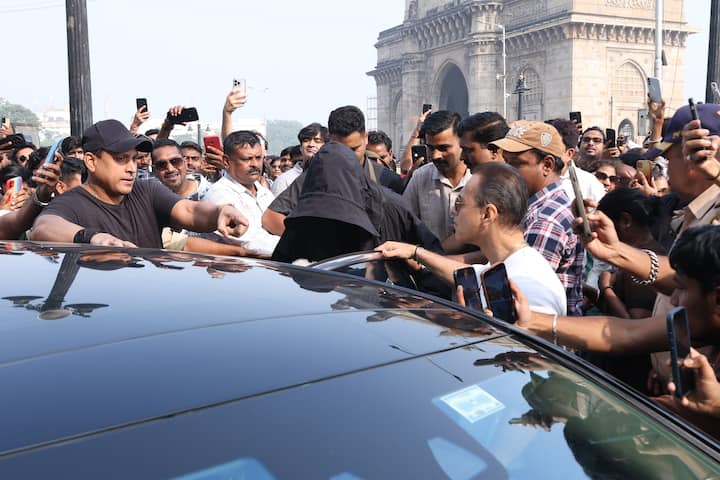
(647, 4)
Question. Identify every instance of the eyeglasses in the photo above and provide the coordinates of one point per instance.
(602, 176)
(163, 164)
(592, 139)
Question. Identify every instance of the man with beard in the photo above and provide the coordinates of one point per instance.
(240, 187)
(171, 168)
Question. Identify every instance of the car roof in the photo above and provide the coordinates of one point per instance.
(85, 329)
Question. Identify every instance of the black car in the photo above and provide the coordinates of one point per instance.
(154, 364)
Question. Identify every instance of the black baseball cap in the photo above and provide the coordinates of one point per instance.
(114, 137)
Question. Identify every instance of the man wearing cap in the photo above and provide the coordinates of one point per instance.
(536, 149)
(112, 209)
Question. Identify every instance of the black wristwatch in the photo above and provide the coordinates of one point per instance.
(85, 235)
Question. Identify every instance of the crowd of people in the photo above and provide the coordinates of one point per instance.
(486, 191)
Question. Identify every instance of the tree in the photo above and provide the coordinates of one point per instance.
(18, 114)
(281, 134)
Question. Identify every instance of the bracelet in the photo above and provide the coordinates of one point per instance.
(653, 142)
(554, 328)
(605, 288)
(415, 254)
(654, 269)
(37, 201)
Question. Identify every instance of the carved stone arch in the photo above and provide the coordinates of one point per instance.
(627, 129)
(628, 84)
(452, 89)
(397, 121)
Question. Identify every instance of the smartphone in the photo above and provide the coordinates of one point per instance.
(610, 137)
(468, 279)
(50, 157)
(579, 205)
(186, 115)
(654, 91)
(498, 294)
(646, 167)
(693, 109)
(576, 117)
(13, 184)
(679, 338)
(141, 102)
(212, 141)
(240, 85)
(418, 152)
(426, 107)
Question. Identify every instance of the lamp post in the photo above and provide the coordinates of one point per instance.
(504, 74)
(520, 88)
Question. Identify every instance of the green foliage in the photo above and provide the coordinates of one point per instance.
(281, 134)
(18, 114)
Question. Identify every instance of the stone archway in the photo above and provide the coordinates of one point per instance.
(454, 91)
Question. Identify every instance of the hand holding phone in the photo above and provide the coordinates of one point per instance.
(679, 339)
(426, 107)
(186, 115)
(471, 291)
(610, 137)
(240, 86)
(498, 295)
(420, 152)
(654, 92)
(13, 184)
(579, 204)
(646, 167)
(140, 103)
(50, 157)
(212, 141)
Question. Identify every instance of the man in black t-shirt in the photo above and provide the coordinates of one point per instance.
(111, 209)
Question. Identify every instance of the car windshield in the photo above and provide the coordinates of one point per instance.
(490, 410)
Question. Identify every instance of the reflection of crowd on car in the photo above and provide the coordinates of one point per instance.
(489, 192)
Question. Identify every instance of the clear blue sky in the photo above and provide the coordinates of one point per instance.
(300, 59)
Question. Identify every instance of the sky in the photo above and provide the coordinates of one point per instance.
(300, 59)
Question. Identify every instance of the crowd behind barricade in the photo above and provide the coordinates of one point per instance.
(477, 192)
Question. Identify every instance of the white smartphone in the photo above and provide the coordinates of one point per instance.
(654, 91)
(239, 85)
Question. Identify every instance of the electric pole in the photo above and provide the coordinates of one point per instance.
(78, 66)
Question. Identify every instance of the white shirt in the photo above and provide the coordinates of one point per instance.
(590, 187)
(535, 277)
(286, 179)
(228, 191)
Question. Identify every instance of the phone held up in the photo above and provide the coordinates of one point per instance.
(498, 295)
(13, 184)
(471, 290)
(426, 107)
(141, 102)
(610, 137)
(50, 157)
(576, 117)
(240, 86)
(212, 141)
(186, 115)
(646, 167)
(579, 204)
(679, 339)
(418, 152)
(654, 92)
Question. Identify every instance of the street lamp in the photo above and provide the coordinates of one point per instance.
(520, 88)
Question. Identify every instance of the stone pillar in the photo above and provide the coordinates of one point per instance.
(413, 90)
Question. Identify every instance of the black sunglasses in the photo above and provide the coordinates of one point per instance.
(163, 164)
(602, 176)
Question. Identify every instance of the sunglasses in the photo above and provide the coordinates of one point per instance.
(602, 176)
(177, 162)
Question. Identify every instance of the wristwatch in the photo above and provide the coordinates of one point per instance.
(85, 235)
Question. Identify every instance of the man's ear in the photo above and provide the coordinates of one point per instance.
(90, 162)
(61, 187)
(548, 163)
(491, 214)
(226, 161)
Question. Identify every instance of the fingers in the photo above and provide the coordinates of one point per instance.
(459, 292)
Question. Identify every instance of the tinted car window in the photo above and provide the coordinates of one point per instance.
(481, 411)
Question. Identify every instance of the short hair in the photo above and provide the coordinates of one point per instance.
(72, 166)
(285, 151)
(440, 121)
(309, 131)
(605, 163)
(14, 153)
(152, 131)
(346, 120)
(559, 162)
(14, 170)
(295, 151)
(70, 143)
(567, 130)
(486, 127)
(504, 187)
(239, 138)
(696, 254)
(595, 128)
(163, 142)
(643, 209)
(376, 137)
(631, 156)
(191, 144)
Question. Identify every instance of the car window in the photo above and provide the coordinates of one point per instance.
(489, 410)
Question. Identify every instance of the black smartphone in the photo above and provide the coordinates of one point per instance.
(610, 137)
(579, 204)
(468, 279)
(693, 109)
(141, 102)
(498, 294)
(186, 115)
(576, 117)
(426, 107)
(679, 339)
(418, 152)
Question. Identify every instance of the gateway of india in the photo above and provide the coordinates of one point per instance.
(592, 56)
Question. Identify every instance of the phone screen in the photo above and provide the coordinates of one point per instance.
(141, 102)
(679, 338)
(498, 294)
(418, 152)
(468, 279)
(50, 158)
(579, 205)
(576, 117)
(610, 137)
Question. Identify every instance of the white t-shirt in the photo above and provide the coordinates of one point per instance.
(590, 187)
(535, 277)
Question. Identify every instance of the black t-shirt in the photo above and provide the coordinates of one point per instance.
(139, 218)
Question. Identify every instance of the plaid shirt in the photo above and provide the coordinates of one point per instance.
(548, 229)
